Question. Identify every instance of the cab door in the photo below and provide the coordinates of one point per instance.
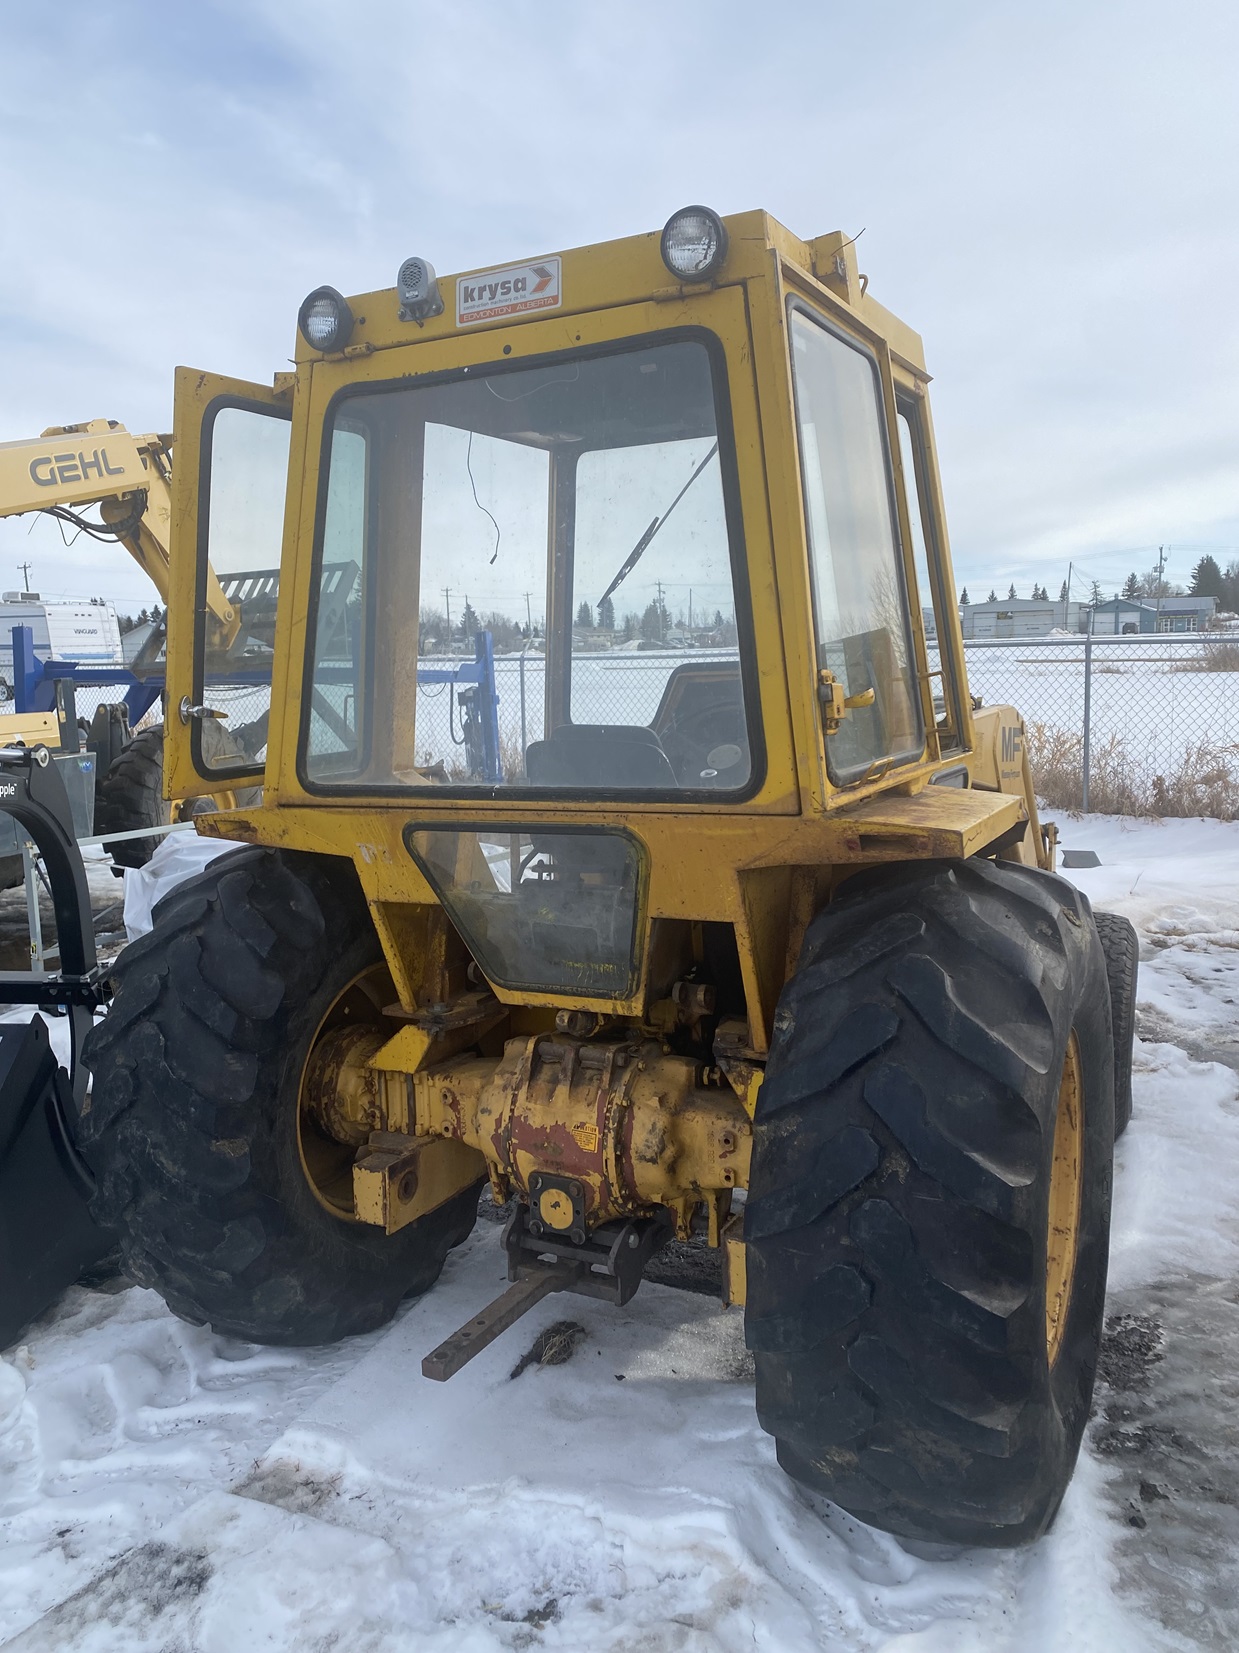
(229, 485)
(864, 641)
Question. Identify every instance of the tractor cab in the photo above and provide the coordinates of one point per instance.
(573, 552)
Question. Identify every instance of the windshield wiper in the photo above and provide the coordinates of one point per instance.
(638, 550)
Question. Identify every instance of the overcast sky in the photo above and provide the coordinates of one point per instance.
(1048, 193)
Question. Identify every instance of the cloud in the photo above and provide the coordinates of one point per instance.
(1048, 195)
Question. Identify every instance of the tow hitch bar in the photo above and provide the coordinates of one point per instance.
(609, 1264)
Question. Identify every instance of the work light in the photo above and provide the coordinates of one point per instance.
(325, 320)
(694, 244)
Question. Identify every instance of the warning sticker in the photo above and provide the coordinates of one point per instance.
(586, 1137)
(510, 292)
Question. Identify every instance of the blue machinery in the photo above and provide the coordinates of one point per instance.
(40, 686)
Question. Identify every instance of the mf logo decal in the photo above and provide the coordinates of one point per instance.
(1012, 744)
(52, 468)
(510, 292)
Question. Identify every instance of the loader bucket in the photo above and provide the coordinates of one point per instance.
(47, 1236)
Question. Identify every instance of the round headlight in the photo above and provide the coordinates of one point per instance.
(694, 244)
(325, 320)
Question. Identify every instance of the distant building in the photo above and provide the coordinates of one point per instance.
(1127, 616)
(137, 637)
(1021, 617)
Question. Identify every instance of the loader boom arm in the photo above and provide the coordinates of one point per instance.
(128, 477)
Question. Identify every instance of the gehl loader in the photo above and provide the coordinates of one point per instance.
(758, 940)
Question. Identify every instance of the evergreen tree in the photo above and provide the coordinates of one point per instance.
(1131, 588)
(652, 623)
(1062, 592)
(993, 596)
(585, 617)
(631, 627)
(1011, 592)
(606, 615)
(469, 622)
(964, 598)
(1207, 578)
(1095, 595)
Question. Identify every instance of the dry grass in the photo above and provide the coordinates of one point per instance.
(456, 770)
(1217, 654)
(1205, 781)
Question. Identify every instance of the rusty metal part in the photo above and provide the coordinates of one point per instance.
(582, 1024)
(344, 1095)
(607, 1264)
(455, 1351)
(742, 1067)
(439, 1032)
(557, 1206)
(397, 1179)
(735, 1274)
(634, 1126)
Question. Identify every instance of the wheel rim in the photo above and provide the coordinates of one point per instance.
(1066, 1177)
(328, 1164)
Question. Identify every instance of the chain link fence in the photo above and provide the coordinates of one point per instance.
(1122, 725)
(616, 686)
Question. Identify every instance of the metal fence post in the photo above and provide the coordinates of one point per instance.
(524, 732)
(1088, 696)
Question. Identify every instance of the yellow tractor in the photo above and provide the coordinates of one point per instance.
(749, 934)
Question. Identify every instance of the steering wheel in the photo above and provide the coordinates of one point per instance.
(708, 747)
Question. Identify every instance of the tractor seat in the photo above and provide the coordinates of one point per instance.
(594, 756)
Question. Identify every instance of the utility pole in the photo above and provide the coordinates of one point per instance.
(1161, 565)
(690, 608)
(25, 568)
(662, 614)
(1067, 600)
(528, 614)
(447, 603)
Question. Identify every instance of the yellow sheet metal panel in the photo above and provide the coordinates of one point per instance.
(74, 465)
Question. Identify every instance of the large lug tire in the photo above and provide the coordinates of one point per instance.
(194, 1128)
(925, 1335)
(1121, 946)
(129, 794)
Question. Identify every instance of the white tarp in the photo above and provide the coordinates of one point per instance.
(180, 855)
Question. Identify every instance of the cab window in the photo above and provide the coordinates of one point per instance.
(860, 604)
(544, 581)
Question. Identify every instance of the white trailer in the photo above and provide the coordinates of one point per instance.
(83, 629)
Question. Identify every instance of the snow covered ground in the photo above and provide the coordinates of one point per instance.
(164, 1488)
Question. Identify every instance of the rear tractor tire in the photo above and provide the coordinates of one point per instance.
(230, 1202)
(129, 794)
(1121, 946)
(928, 1216)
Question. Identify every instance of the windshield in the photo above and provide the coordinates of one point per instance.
(526, 580)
